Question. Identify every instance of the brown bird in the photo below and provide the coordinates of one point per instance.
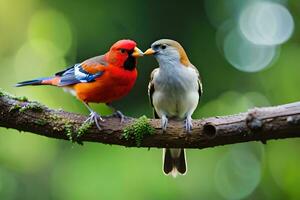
(174, 91)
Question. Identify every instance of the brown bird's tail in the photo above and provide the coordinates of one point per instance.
(174, 162)
(40, 81)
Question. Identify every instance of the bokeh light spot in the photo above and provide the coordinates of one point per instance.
(222, 32)
(266, 23)
(37, 58)
(238, 173)
(246, 56)
(50, 25)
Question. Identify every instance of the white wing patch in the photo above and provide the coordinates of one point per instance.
(81, 76)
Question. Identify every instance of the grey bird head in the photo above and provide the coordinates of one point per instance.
(166, 50)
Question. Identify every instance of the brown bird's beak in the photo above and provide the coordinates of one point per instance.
(137, 52)
(149, 51)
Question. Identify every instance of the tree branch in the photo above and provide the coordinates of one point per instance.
(258, 124)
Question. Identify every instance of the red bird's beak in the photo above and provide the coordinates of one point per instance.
(137, 52)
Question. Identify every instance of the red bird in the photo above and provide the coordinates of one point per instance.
(100, 79)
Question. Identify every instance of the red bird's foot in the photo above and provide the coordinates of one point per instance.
(93, 118)
(120, 115)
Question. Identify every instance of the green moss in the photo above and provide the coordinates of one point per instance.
(140, 128)
(69, 131)
(3, 93)
(40, 122)
(30, 106)
(23, 98)
(34, 106)
(84, 128)
(15, 107)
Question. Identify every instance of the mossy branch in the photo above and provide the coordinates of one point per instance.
(258, 124)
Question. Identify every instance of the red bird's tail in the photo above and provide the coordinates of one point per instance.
(40, 81)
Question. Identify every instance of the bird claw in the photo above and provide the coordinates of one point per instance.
(120, 115)
(188, 125)
(93, 118)
(164, 123)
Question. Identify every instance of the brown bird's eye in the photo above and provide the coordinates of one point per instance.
(163, 46)
(123, 50)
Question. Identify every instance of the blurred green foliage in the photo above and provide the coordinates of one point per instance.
(40, 37)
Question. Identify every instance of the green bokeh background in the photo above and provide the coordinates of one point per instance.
(40, 37)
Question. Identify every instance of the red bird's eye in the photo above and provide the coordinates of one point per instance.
(123, 50)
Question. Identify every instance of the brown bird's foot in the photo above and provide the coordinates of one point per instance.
(120, 115)
(188, 125)
(94, 118)
(164, 123)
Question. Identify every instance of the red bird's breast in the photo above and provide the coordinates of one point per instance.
(114, 84)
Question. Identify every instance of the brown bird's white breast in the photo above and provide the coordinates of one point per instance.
(176, 90)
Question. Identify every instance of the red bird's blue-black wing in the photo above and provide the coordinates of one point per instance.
(77, 74)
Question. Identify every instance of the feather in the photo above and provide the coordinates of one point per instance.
(151, 88)
(77, 74)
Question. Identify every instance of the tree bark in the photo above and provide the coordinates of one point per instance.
(258, 124)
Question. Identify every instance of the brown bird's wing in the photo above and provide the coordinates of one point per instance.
(200, 89)
(151, 90)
